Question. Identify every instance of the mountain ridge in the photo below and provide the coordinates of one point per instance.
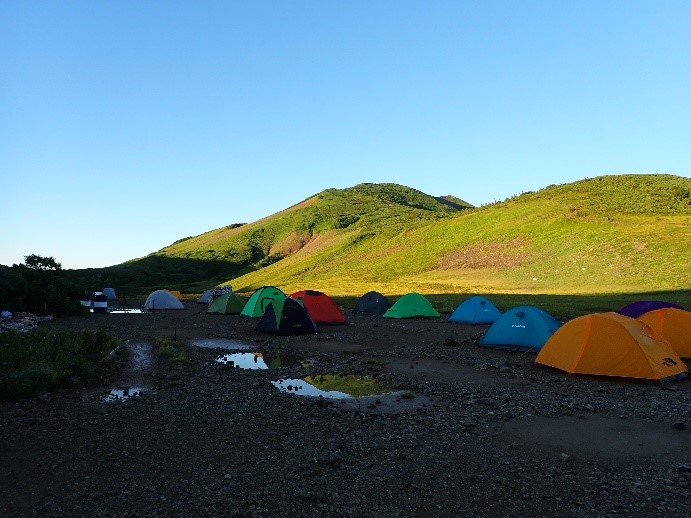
(392, 235)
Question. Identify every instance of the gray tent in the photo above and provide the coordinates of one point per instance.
(162, 299)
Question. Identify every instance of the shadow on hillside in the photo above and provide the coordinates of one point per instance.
(155, 272)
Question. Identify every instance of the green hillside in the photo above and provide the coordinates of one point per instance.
(621, 234)
(326, 220)
(613, 234)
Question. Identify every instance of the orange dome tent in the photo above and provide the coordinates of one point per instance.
(672, 324)
(610, 344)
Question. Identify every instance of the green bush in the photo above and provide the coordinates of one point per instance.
(38, 361)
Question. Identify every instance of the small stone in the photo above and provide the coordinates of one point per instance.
(564, 457)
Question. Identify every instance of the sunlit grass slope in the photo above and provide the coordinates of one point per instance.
(612, 234)
(328, 219)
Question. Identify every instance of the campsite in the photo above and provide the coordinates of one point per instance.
(370, 351)
(459, 429)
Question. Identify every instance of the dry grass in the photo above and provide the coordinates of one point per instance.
(499, 255)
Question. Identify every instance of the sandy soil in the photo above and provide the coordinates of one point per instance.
(462, 430)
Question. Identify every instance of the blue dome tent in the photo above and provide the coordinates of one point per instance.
(475, 310)
(524, 327)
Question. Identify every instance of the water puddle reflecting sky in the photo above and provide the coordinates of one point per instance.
(257, 360)
(300, 387)
(221, 343)
(243, 360)
(120, 311)
(122, 394)
(330, 386)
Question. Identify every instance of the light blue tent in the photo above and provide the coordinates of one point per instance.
(524, 327)
(475, 310)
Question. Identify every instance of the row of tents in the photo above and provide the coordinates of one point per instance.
(646, 339)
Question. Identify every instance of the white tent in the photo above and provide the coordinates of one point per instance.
(162, 299)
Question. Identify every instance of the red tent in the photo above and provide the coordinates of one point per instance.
(321, 308)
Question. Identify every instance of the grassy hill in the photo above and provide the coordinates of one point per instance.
(321, 221)
(611, 234)
(615, 233)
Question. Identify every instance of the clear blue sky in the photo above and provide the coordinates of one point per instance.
(126, 125)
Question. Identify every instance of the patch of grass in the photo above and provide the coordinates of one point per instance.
(36, 362)
(172, 351)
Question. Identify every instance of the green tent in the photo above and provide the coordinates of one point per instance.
(260, 300)
(411, 305)
(226, 304)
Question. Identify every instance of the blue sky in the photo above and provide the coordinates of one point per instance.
(126, 125)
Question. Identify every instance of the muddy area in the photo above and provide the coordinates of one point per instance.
(459, 430)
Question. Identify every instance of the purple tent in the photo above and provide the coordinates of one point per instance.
(636, 309)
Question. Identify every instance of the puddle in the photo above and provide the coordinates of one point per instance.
(259, 360)
(221, 343)
(118, 310)
(302, 388)
(142, 356)
(331, 386)
(243, 360)
(122, 394)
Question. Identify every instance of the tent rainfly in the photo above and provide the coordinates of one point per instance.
(260, 300)
(372, 303)
(475, 310)
(523, 327)
(162, 299)
(227, 304)
(320, 306)
(411, 305)
(286, 316)
(610, 344)
(672, 325)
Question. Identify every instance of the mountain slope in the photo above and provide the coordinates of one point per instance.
(627, 233)
(326, 219)
(613, 233)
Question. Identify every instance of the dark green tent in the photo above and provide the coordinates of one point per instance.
(226, 304)
(286, 317)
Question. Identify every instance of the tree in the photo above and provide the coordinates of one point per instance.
(46, 287)
(40, 263)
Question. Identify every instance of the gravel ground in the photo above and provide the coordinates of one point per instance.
(465, 431)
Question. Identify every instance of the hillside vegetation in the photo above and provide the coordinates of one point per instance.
(611, 234)
(324, 220)
(608, 234)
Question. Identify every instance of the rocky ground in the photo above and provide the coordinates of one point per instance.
(466, 431)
